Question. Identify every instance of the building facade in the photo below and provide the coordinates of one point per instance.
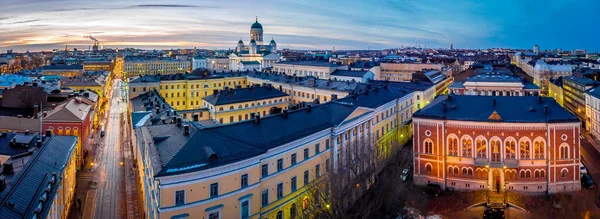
(592, 111)
(574, 95)
(392, 71)
(320, 70)
(261, 168)
(527, 144)
(136, 66)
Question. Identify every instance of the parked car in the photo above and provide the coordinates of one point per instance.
(556, 203)
(432, 189)
(404, 175)
(493, 213)
(582, 169)
(587, 182)
(102, 133)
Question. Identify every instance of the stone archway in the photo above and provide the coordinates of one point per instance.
(496, 181)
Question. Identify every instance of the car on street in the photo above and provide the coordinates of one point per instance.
(102, 133)
(582, 169)
(587, 182)
(405, 174)
(432, 189)
(493, 213)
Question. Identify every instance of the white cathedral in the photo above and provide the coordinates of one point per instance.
(254, 56)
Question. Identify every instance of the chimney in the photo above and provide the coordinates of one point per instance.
(546, 109)
(36, 111)
(215, 92)
(450, 97)
(444, 107)
(334, 97)
(540, 99)
(26, 132)
(252, 115)
(45, 114)
(48, 132)
(257, 119)
(38, 143)
(186, 129)
(308, 107)
(494, 102)
(285, 113)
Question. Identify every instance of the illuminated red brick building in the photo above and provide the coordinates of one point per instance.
(525, 143)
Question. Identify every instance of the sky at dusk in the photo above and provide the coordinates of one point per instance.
(307, 24)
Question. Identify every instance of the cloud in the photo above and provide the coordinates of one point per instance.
(26, 21)
(172, 6)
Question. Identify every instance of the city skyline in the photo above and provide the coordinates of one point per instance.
(42, 25)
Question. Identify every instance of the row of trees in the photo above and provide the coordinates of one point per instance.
(334, 194)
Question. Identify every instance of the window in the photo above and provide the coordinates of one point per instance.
(327, 162)
(265, 170)
(265, 197)
(214, 215)
(510, 149)
(564, 151)
(538, 149)
(317, 148)
(428, 146)
(244, 180)
(279, 164)
(279, 190)
(294, 184)
(467, 147)
(279, 215)
(318, 170)
(305, 153)
(453, 146)
(214, 190)
(428, 168)
(327, 144)
(564, 173)
(306, 178)
(525, 149)
(481, 148)
(293, 212)
(245, 209)
(293, 159)
(179, 197)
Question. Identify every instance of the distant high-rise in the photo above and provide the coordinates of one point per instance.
(451, 46)
(536, 49)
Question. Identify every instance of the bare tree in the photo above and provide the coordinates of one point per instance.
(335, 193)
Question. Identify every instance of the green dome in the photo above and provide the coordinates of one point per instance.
(256, 25)
(241, 42)
(272, 41)
(252, 41)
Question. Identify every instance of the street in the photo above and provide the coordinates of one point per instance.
(590, 157)
(107, 163)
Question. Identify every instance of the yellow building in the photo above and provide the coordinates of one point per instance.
(555, 91)
(136, 66)
(235, 105)
(261, 167)
(63, 70)
(184, 91)
(41, 183)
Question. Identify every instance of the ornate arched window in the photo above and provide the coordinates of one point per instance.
(538, 148)
(481, 144)
(428, 146)
(467, 146)
(280, 215)
(564, 173)
(564, 151)
(510, 148)
(525, 148)
(452, 145)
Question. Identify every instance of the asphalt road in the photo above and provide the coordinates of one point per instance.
(110, 191)
(590, 157)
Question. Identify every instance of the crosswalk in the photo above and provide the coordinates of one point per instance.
(85, 176)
